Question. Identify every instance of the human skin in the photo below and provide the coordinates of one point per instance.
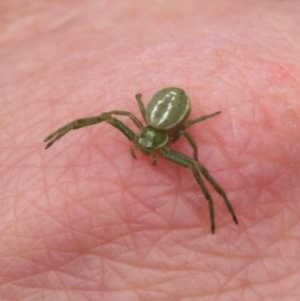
(83, 220)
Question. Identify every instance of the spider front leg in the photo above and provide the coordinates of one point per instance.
(189, 138)
(74, 125)
(80, 123)
(219, 190)
(194, 166)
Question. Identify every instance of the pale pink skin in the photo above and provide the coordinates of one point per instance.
(84, 220)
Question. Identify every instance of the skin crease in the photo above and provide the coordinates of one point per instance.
(85, 221)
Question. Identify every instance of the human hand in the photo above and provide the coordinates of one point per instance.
(83, 220)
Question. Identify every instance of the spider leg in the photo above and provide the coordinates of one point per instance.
(132, 152)
(219, 190)
(194, 166)
(191, 164)
(189, 139)
(125, 113)
(80, 123)
(154, 160)
(141, 105)
(199, 119)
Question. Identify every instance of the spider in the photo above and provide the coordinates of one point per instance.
(165, 119)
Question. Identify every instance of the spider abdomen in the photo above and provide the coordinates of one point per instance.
(168, 108)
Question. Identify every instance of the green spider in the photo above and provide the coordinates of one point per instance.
(165, 118)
